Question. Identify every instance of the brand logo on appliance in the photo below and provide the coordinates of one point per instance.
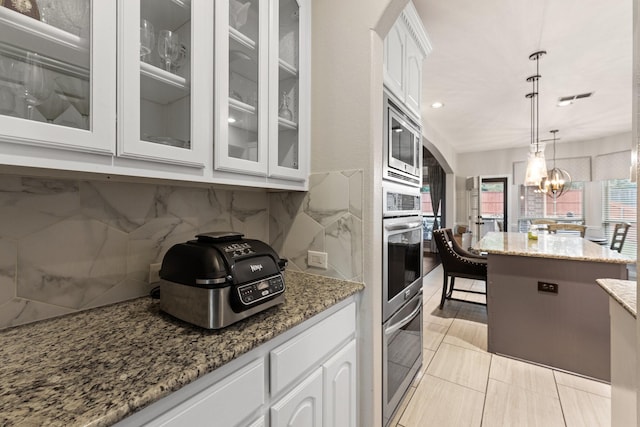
(255, 267)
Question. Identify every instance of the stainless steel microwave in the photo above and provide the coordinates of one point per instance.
(402, 145)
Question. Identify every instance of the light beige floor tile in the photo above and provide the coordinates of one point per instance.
(431, 288)
(524, 375)
(467, 334)
(427, 356)
(433, 314)
(440, 403)
(509, 405)
(584, 384)
(401, 408)
(433, 334)
(468, 368)
(584, 409)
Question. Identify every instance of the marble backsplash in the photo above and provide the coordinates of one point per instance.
(68, 245)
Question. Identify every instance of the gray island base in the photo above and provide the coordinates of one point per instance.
(543, 302)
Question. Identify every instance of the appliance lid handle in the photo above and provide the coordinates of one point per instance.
(404, 226)
(393, 328)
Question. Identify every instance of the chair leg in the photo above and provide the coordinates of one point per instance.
(451, 287)
(444, 290)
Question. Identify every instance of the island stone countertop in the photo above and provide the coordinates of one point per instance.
(623, 291)
(96, 367)
(549, 246)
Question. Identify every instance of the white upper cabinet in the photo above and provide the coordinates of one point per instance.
(405, 47)
(261, 88)
(163, 79)
(57, 74)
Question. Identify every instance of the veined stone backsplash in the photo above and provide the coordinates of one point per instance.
(68, 245)
(327, 219)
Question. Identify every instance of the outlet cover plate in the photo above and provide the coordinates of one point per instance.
(317, 259)
(154, 272)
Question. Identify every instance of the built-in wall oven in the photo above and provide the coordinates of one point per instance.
(403, 144)
(401, 293)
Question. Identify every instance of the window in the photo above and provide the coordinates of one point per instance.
(534, 204)
(427, 213)
(619, 204)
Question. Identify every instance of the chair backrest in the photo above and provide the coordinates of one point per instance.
(554, 228)
(453, 262)
(619, 235)
(543, 221)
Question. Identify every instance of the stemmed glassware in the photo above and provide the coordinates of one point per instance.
(168, 47)
(37, 82)
(147, 40)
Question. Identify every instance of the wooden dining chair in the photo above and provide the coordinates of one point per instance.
(554, 228)
(456, 265)
(543, 221)
(619, 236)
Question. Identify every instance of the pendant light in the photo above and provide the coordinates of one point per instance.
(536, 164)
(558, 181)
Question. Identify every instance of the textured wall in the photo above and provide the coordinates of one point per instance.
(69, 245)
(327, 219)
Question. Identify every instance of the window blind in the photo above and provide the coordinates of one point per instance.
(612, 166)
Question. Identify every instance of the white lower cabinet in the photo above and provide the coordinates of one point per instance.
(339, 398)
(303, 378)
(302, 406)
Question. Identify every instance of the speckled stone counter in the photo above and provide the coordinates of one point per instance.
(96, 367)
(549, 246)
(623, 291)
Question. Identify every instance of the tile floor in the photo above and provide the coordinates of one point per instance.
(461, 384)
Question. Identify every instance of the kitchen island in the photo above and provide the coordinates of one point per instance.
(98, 367)
(543, 302)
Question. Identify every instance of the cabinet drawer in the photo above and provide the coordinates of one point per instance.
(228, 402)
(305, 351)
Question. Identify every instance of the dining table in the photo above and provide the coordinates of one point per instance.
(543, 303)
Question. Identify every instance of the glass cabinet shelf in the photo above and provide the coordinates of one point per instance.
(246, 118)
(284, 124)
(34, 36)
(287, 70)
(161, 86)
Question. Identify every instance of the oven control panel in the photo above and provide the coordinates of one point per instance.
(257, 291)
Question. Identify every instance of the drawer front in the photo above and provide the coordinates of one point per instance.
(228, 402)
(306, 350)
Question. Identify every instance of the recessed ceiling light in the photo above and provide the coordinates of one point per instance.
(437, 104)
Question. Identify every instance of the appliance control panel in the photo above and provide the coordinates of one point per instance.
(265, 288)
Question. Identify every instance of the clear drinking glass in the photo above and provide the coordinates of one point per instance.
(38, 84)
(147, 40)
(168, 47)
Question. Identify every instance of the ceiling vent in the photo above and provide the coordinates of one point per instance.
(574, 97)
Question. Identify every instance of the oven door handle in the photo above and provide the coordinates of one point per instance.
(404, 226)
(393, 328)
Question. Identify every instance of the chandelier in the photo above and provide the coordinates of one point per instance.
(536, 165)
(557, 181)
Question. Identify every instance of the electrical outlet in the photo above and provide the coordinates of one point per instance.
(317, 259)
(154, 272)
(548, 287)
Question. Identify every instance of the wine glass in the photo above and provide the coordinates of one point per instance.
(180, 60)
(52, 107)
(168, 47)
(37, 82)
(147, 40)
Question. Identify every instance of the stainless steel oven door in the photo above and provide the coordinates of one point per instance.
(401, 354)
(401, 262)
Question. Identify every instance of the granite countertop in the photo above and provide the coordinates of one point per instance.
(623, 291)
(549, 246)
(96, 367)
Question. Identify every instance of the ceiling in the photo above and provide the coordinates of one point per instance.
(480, 62)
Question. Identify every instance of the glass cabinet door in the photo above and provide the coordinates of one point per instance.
(57, 74)
(158, 76)
(288, 112)
(241, 86)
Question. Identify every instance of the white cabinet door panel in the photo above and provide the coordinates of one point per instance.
(302, 406)
(339, 398)
(394, 63)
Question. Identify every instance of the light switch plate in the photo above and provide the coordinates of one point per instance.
(317, 259)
